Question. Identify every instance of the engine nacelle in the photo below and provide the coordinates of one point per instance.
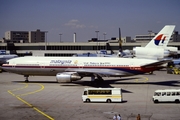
(154, 53)
(67, 77)
(172, 50)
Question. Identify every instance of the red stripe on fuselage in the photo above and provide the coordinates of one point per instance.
(137, 69)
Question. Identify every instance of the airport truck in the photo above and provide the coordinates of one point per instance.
(102, 95)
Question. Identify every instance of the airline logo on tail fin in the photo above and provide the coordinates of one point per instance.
(159, 39)
(162, 38)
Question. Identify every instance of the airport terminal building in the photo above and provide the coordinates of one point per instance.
(24, 36)
(69, 49)
(34, 43)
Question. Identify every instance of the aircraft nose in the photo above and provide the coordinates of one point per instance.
(1, 69)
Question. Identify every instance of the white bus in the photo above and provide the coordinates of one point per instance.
(102, 95)
(167, 95)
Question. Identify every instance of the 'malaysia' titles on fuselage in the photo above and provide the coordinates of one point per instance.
(78, 61)
(69, 62)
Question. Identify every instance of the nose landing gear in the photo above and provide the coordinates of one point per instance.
(26, 78)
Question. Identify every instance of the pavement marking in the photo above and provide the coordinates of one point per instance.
(9, 91)
(42, 87)
(34, 108)
(21, 87)
(22, 100)
(145, 80)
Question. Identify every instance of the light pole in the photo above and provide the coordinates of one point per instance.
(104, 35)
(150, 31)
(60, 36)
(97, 34)
(46, 40)
(97, 38)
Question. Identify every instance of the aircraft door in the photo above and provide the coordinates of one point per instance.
(42, 65)
(132, 66)
(14, 65)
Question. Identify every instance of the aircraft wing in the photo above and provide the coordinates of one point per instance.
(161, 62)
(99, 72)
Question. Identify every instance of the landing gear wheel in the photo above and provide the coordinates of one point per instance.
(26, 78)
(26, 81)
(151, 72)
(99, 80)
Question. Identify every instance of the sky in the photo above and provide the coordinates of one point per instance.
(84, 17)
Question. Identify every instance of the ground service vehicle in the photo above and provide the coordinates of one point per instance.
(174, 67)
(102, 95)
(167, 95)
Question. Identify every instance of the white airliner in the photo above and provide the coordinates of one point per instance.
(5, 57)
(157, 47)
(68, 69)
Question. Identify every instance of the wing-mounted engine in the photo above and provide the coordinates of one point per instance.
(67, 77)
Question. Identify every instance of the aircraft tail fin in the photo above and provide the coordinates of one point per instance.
(162, 38)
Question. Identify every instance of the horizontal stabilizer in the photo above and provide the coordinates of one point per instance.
(161, 62)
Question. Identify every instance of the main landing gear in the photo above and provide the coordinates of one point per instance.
(97, 80)
(26, 78)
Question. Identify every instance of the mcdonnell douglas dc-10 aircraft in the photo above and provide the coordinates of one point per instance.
(68, 69)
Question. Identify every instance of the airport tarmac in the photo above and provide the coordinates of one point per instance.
(43, 98)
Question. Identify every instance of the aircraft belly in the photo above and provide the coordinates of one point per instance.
(35, 71)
